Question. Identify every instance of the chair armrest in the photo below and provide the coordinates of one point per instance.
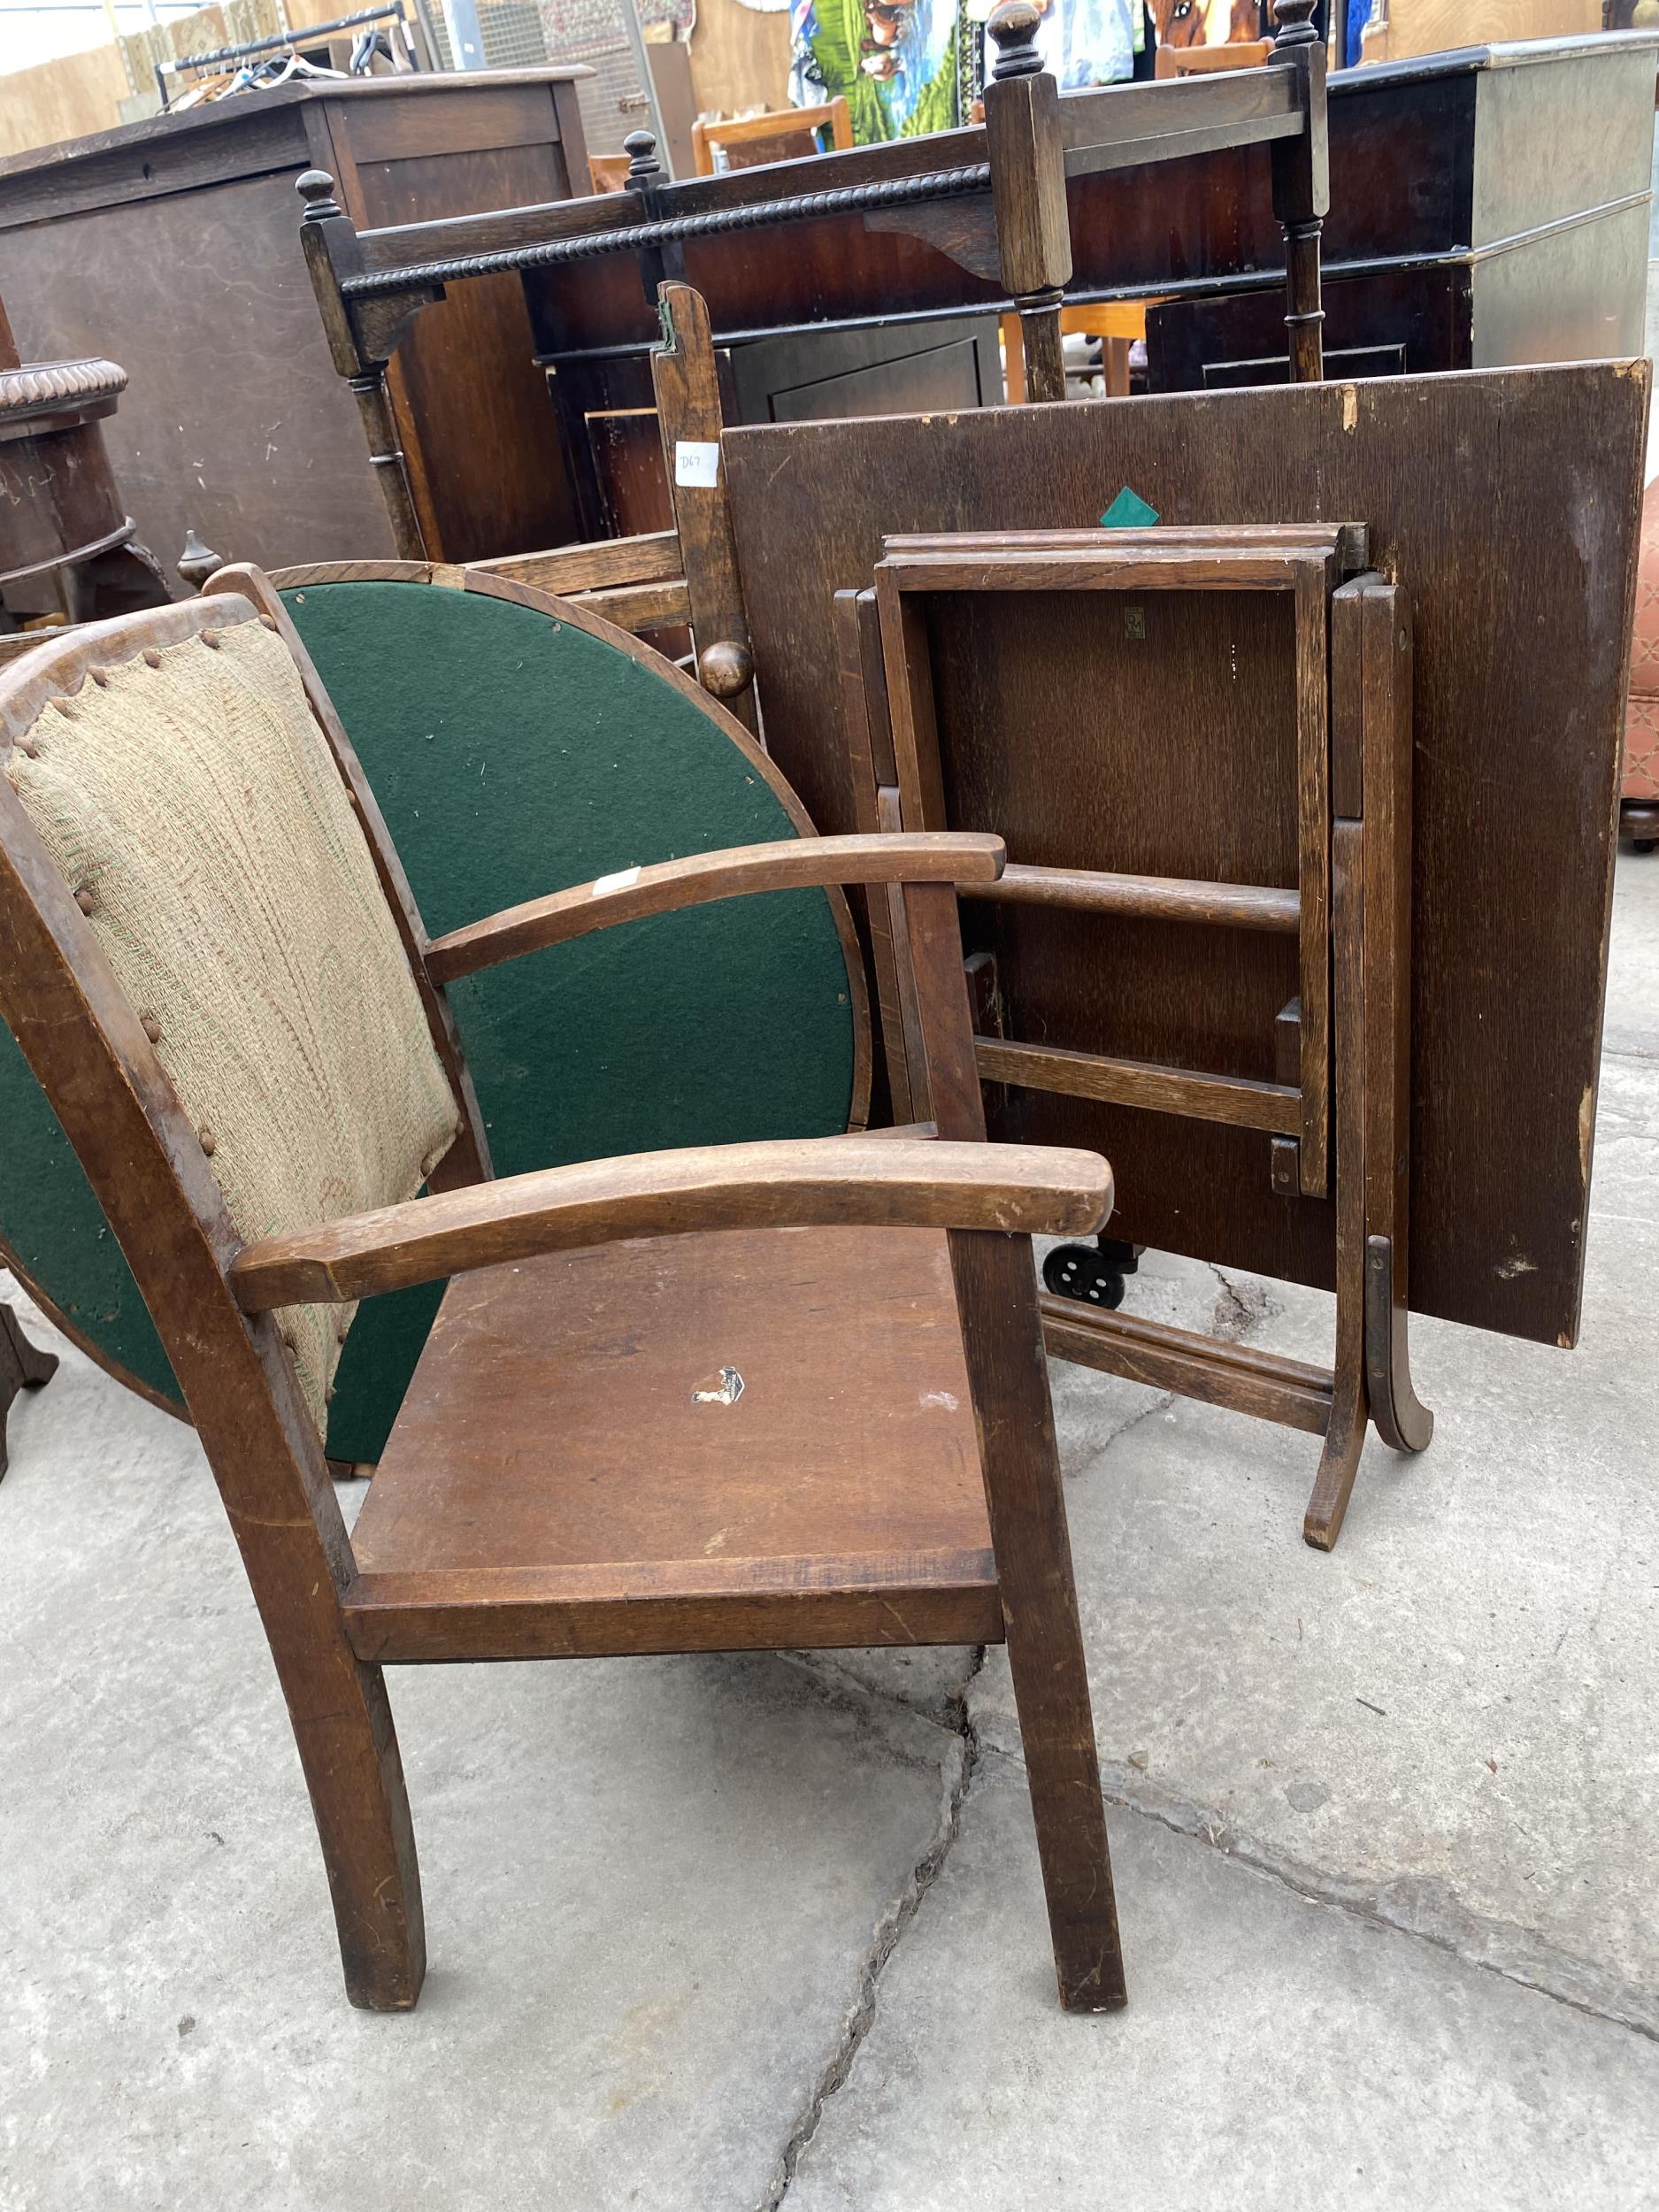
(909, 856)
(820, 1182)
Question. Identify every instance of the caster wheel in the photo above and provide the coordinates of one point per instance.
(1083, 1272)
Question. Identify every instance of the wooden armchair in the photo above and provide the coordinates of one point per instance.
(756, 1396)
(750, 142)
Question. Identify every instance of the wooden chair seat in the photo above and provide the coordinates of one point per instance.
(576, 1467)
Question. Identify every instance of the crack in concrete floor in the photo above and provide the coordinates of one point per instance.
(959, 1770)
(1420, 1907)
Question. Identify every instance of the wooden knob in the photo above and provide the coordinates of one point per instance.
(1014, 29)
(725, 668)
(1293, 27)
(316, 188)
(640, 148)
(198, 562)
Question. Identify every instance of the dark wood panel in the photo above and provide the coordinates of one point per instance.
(947, 375)
(627, 448)
(473, 400)
(174, 248)
(1397, 322)
(234, 419)
(1427, 159)
(466, 122)
(1508, 503)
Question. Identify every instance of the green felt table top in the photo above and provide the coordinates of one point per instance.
(512, 754)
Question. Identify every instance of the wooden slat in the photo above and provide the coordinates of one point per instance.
(1137, 153)
(1348, 540)
(574, 1611)
(1143, 567)
(411, 245)
(638, 606)
(1123, 115)
(1232, 1099)
(1245, 1380)
(651, 558)
(1161, 898)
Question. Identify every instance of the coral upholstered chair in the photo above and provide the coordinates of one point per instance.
(833, 1426)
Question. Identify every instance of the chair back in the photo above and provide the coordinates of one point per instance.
(782, 134)
(190, 804)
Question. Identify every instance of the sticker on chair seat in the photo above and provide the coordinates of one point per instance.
(727, 1388)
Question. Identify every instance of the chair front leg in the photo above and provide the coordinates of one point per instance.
(997, 1292)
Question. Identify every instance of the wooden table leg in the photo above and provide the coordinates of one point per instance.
(1345, 1437)
(23, 1366)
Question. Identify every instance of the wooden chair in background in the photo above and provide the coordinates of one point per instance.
(834, 1425)
(1115, 323)
(1200, 61)
(748, 142)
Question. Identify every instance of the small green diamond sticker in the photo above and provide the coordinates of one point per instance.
(1128, 511)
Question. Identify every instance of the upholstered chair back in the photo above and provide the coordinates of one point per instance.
(195, 811)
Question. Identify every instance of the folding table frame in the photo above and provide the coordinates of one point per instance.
(1348, 911)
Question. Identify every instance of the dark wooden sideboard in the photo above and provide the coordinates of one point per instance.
(1488, 208)
(173, 247)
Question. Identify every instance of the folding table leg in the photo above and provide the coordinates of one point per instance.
(23, 1366)
(1345, 1437)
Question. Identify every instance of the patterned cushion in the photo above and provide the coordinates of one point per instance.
(192, 804)
(1641, 722)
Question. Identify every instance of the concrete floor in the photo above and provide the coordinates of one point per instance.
(726, 1934)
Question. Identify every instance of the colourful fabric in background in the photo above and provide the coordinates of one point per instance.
(907, 66)
(903, 67)
(1086, 41)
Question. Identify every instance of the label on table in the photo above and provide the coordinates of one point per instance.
(696, 463)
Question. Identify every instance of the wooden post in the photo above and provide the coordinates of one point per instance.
(1302, 188)
(643, 179)
(685, 378)
(1022, 129)
(328, 238)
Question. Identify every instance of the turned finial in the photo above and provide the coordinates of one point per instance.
(640, 148)
(197, 561)
(1293, 26)
(1014, 28)
(316, 188)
